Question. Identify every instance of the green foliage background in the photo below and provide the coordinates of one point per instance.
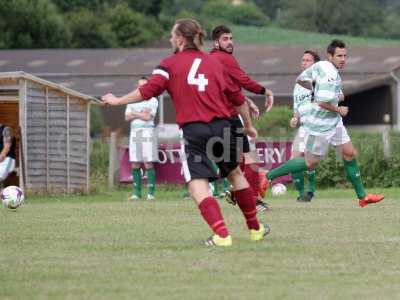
(128, 23)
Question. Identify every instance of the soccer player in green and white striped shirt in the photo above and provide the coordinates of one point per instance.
(302, 99)
(143, 147)
(324, 125)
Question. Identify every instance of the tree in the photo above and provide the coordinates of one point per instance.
(131, 27)
(90, 31)
(354, 17)
(174, 7)
(32, 24)
(147, 7)
(246, 13)
(270, 8)
(76, 5)
(390, 5)
(389, 28)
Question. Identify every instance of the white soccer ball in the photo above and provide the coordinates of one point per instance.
(279, 189)
(12, 197)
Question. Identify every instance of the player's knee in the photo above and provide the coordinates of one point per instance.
(350, 155)
(148, 165)
(311, 165)
(296, 154)
(237, 179)
(235, 174)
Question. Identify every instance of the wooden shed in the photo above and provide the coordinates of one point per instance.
(52, 124)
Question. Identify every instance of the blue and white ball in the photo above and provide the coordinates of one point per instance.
(278, 189)
(12, 197)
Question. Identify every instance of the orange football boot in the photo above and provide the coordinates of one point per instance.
(369, 199)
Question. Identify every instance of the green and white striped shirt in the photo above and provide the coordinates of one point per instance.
(327, 89)
(151, 104)
(302, 99)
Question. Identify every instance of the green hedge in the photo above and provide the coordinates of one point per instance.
(246, 13)
(275, 124)
(99, 155)
(376, 171)
(96, 120)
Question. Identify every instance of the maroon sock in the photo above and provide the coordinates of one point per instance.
(245, 200)
(211, 213)
(251, 174)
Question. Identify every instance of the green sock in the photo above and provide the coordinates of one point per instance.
(298, 180)
(215, 183)
(311, 181)
(291, 166)
(353, 174)
(215, 167)
(226, 184)
(151, 181)
(186, 193)
(137, 182)
(214, 186)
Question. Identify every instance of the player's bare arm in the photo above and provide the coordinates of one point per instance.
(130, 117)
(269, 99)
(248, 125)
(342, 110)
(254, 111)
(144, 115)
(132, 97)
(248, 84)
(294, 120)
(307, 84)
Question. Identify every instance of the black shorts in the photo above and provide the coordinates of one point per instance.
(242, 142)
(206, 143)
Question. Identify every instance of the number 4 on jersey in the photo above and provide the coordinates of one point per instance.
(200, 81)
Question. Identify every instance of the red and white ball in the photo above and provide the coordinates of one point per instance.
(12, 197)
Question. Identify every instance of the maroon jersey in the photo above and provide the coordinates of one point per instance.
(198, 85)
(238, 76)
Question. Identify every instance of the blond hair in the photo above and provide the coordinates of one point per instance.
(191, 30)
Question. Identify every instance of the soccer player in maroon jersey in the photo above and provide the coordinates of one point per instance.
(203, 99)
(223, 49)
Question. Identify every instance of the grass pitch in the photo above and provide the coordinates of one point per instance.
(104, 247)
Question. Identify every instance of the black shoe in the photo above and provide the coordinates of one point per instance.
(301, 199)
(308, 197)
(261, 206)
(230, 198)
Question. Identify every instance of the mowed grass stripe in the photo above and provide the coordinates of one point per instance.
(102, 247)
(271, 35)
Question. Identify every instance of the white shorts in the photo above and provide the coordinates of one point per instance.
(6, 167)
(298, 142)
(143, 146)
(319, 144)
(252, 144)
